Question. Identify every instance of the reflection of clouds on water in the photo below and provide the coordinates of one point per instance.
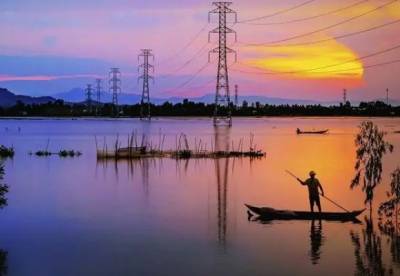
(368, 251)
(317, 239)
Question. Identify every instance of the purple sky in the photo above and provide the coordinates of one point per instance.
(52, 46)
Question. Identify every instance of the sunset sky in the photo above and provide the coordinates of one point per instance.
(289, 48)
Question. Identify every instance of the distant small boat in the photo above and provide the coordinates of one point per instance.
(298, 131)
(273, 214)
(396, 131)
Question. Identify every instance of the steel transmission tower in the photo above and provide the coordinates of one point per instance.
(145, 76)
(222, 112)
(115, 87)
(89, 93)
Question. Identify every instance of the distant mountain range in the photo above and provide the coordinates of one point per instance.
(77, 95)
(8, 99)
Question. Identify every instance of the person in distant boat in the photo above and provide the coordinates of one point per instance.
(313, 190)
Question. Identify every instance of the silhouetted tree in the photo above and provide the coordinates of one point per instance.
(371, 146)
(390, 207)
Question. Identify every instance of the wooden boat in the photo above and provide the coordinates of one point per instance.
(298, 131)
(273, 214)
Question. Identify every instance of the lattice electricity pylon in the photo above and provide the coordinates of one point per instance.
(145, 66)
(89, 93)
(222, 111)
(98, 95)
(115, 88)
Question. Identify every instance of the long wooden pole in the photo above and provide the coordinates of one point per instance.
(327, 198)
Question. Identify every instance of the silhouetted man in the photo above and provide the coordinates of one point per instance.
(313, 185)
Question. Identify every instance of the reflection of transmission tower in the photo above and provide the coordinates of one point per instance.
(221, 169)
(115, 88)
(222, 112)
(89, 93)
(145, 103)
(98, 94)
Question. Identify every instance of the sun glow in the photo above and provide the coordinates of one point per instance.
(331, 60)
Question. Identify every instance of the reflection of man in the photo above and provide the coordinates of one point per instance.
(313, 185)
(316, 240)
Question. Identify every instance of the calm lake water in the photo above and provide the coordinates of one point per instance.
(77, 216)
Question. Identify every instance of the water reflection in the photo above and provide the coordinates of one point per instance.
(368, 251)
(3, 262)
(3, 187)
(316, 241)
(390, 229)
(3, 203)
(221, 142)
(144, 166)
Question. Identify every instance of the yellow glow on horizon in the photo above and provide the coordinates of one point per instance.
(303, 61)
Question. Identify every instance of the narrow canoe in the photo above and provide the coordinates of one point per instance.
(272, 214)
(312, 132)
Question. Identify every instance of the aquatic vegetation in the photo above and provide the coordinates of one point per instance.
(69, 153)
(61, 153)
(41, 153)
(6, 152)
(390, 207)
(147, 149)
(371, 146)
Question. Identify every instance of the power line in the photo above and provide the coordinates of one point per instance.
(365, 67)
(277, 13)
(339, 36)
(190, 79)
(206, 84)
(186, 45)
(312, 17)
(332, 71)
(331, 65)
(188, 62)
(325, 28)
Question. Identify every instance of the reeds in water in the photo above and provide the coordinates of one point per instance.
(146, 149)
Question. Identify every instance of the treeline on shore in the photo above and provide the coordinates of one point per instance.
(187, 108)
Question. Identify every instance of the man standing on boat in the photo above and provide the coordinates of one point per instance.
(313, 190)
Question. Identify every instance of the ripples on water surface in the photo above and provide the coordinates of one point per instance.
(165, 217)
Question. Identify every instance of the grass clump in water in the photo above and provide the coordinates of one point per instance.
(69, 153)
(6, 152)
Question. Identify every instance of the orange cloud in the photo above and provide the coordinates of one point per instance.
(330, 60)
